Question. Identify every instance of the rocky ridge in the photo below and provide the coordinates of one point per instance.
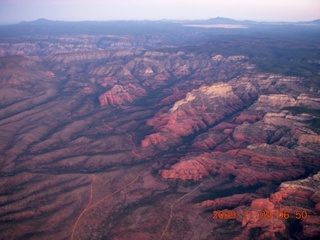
(119, 95)
(200, 109)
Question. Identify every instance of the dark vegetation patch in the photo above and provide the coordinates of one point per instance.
(300, 109)
(314, 123)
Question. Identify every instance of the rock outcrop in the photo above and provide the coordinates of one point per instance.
(119, 95)
(200, 109)
(245, 166)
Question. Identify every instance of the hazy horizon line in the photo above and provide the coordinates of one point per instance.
(153, 20)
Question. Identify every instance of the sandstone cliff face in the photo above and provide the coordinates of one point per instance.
(200, 109)
(119, 95)
(246, 166)
(273, 140)
(279, 133)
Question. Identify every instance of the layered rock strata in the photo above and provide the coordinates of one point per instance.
(200, 109)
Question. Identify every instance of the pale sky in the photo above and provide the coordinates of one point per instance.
(14, 11)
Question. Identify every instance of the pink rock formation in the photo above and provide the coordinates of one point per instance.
(198, 110)
(247, 166)
(119, 95)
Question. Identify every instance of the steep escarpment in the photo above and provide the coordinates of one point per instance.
(200, 109)
(272, 140)
(119, 95)
(247, 167)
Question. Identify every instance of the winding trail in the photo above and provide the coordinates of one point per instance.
(134, 146)
(106, 125)
(171, 210)
(90, 205)
(137, 155)
(85, 209)
(130, 138)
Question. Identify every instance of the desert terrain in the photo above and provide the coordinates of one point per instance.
(143, 130)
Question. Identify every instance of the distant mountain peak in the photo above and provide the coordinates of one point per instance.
(222, 20)
(37, 22)
(40, 20)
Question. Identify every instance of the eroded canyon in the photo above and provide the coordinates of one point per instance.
(121, 135)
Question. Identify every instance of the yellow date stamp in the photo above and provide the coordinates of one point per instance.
(261, 214)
